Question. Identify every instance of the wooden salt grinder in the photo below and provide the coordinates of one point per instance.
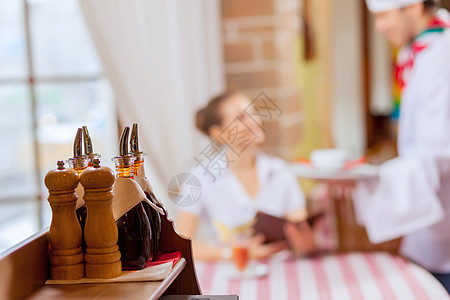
(100, 232)
(66, 255)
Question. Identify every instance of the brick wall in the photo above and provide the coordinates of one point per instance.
(259, 53)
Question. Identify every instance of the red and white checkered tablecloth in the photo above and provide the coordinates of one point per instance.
(371, 275)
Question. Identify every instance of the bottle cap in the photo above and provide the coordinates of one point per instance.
(61, 179)
(97, 177)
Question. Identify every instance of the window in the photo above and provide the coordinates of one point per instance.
(51, 83)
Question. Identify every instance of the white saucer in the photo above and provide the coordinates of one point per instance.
(253, 270)
(362, 171)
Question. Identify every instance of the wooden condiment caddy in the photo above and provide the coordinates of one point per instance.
(24, 270)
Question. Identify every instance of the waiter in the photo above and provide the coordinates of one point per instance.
(412, 196)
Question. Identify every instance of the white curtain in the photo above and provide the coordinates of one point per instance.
(164, 60)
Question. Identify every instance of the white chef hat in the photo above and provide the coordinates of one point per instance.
(382, 5)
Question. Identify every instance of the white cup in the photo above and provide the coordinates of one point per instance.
(332, 158)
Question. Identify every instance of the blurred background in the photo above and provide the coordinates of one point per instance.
(106, 64)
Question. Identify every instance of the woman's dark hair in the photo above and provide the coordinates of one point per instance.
(431, 5)
(211, 115)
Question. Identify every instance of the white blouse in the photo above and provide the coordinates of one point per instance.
(224, 199)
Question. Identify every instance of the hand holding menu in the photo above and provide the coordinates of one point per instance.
(272, 227)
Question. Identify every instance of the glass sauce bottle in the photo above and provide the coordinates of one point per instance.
(152, 214)
(135, 234)
(79, 162)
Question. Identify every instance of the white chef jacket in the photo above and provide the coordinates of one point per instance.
(225, 200)
(412, 197)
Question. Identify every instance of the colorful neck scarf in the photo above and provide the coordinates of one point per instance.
(407, 55)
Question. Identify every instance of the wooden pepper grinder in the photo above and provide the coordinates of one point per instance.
(66, 255)
(100, 232)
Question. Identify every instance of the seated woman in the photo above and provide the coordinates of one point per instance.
(242, 182)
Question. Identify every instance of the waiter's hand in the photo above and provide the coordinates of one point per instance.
(339, 188)
(342, 183)
(259, 250)
(300, 237)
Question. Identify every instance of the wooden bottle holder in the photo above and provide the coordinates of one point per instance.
(25, 269)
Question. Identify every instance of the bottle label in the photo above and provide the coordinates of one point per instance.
(127, 194)
(80, 194)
